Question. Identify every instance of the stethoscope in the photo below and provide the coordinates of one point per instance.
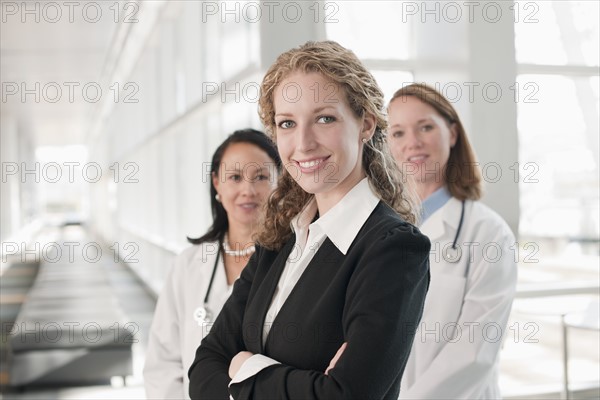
(203, 314)
(454, 253)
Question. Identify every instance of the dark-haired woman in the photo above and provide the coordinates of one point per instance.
(244, 170)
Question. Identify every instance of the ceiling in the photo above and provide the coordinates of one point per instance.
(50, 55)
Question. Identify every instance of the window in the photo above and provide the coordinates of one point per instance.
(558, 118)
(351, 24)
(383, 46)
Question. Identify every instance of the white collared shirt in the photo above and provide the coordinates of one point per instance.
(340, 224)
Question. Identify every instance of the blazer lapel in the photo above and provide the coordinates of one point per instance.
(259, 305)
(327, 254)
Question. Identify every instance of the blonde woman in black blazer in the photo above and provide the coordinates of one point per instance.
(328, 305)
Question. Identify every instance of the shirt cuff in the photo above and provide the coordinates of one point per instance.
(251, 367)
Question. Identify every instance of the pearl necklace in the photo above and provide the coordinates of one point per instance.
(236, 253)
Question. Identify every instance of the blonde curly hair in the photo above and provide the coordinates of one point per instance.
(340, 66)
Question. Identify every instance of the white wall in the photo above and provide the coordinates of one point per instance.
(468, 61)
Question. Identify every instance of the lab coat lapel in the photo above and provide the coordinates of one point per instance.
(443, 220)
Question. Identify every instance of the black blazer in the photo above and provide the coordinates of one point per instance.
(371, 298)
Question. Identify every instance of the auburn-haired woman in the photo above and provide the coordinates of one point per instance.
(473, 272)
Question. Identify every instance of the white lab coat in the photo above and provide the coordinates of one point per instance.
(175, 334)
(455, 351)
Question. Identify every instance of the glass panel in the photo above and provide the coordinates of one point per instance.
(168, 180)
(191, 47)
(390, 81)
(236, 115)
(558, 153)
(166, 72)
(234, 54)
(348, 23)
(211, 51)
(240, 36)
(194, 181)
(557, 32)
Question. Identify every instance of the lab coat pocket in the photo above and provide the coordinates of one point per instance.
(442, 306)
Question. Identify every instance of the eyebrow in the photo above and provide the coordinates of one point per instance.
(237, 170)
(315, 111)
(418, 122)
(318, 110)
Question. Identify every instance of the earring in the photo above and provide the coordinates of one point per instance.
(364, 140)
(217, 197)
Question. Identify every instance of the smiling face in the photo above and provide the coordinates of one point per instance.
(318, 136)
(420, 140)
(243, 182)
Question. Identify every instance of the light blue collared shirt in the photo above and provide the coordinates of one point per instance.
(434, 202)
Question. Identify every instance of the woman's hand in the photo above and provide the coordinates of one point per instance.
(237, 361)
(335, 358)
